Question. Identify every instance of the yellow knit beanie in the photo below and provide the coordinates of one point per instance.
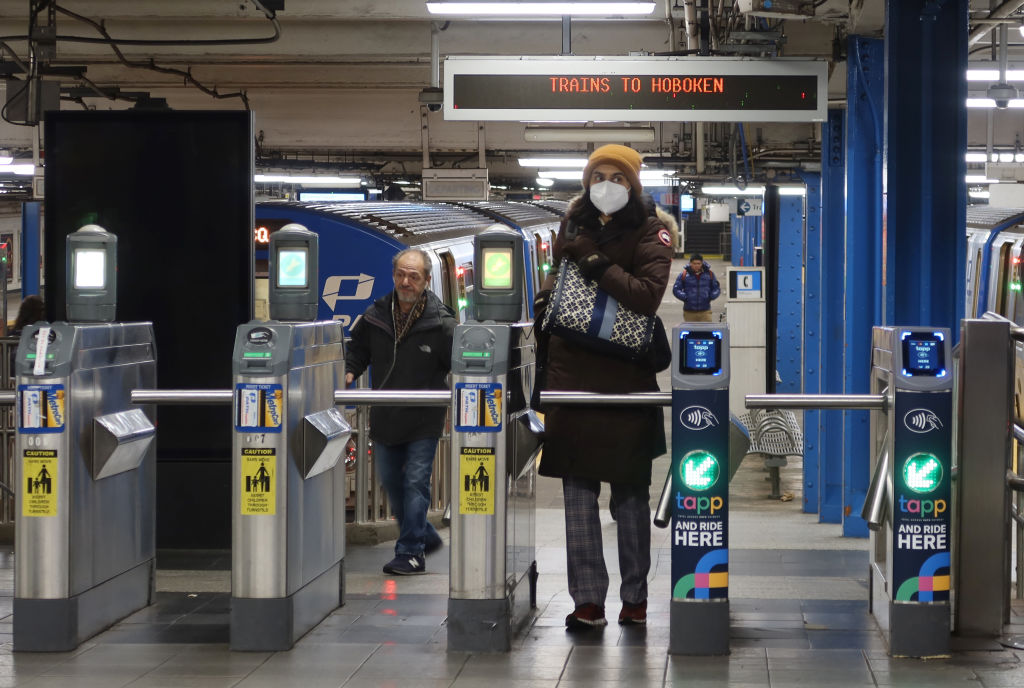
(623, 157)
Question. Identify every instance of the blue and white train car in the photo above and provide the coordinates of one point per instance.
(995, 237)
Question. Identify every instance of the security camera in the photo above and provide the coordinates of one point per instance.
(1002, 94)
(433, 98)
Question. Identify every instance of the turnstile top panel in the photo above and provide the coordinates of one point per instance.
(272, 348)
(987, 217)
(86, 345)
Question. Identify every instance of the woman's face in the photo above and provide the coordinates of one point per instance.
(609, 173)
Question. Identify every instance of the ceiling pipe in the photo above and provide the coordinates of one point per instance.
(1001, 12)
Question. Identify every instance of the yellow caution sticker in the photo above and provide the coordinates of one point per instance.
(39, 475)
(476, 491)
(259, 481)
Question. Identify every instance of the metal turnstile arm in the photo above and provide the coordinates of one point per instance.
(595, 399)
(872, 402)
(663, 514)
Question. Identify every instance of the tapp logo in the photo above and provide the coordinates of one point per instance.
(921, 421)
(336, 284)
(697, 418)
(699, 504)
(922, 507)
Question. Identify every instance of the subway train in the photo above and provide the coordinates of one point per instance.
(995, 237)
(358, 241)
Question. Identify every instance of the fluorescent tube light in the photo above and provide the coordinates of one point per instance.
(557, 9)
(23, 169)
(977, 157)
(589, 134)
(993, 75)
(980, 179)
(1006, 157)
(710, 190)
(576, 163)
(307, 179)
(792, 191)
(979, 194)
(576, 175)
(6, 159)
(545, 182)
(989, 103)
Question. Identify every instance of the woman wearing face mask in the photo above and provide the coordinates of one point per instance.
(622, 245)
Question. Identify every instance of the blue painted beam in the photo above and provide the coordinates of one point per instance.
(926, 139)
(812, 317)
(833, 257)
(863, 262)
(30, 238)
(789, 342)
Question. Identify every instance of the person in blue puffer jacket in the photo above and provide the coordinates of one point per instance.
(697, 287)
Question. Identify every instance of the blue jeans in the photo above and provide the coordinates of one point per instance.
(404, 470)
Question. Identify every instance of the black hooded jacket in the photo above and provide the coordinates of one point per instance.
(424, 357)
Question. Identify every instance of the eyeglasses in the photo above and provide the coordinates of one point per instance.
(415, 277)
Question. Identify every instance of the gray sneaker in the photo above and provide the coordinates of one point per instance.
(406, 565)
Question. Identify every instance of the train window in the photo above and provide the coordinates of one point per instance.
(542, 253)
(1004, 278)
(975, 306)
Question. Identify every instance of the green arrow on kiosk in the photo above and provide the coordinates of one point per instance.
(699, 470)
(922, 472)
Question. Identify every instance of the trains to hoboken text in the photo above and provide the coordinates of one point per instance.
(358, 241)
(995, 237)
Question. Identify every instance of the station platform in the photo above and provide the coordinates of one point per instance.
(798, 602)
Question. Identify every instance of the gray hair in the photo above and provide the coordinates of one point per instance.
(424, 256)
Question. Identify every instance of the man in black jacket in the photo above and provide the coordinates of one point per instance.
(406, 336)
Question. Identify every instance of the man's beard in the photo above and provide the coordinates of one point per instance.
(403, 297)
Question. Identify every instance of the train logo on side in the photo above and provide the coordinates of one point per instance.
(336, 289)
(697, 418)
(921, 421)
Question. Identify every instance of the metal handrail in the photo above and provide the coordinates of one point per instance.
(872, 402)
(1014, 481)
(597, 399)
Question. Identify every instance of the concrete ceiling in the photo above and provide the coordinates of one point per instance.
(342, 81)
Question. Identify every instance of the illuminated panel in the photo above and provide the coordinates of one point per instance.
(922, 473)
(90, 268)
(291, 267)
(635, 89)
(700, 353)
(497, 268)
(699, 470)
(923, 354)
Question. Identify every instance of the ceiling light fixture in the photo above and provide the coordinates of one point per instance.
(991, 103)
(590, 134)
(541, 8)
(305, 179)
(23, 169)
(575, 163)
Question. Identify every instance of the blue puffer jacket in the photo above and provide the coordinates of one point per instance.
(697, 291)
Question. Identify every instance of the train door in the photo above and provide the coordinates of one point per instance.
(1015, 305)
(542, 256)
(444, 284)
(456, 278)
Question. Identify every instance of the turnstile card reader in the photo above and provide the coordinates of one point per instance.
(495, 444)
(294, 260)
(288, 496)
(699, 618)
(85, 472)
(92, 275)
(910, 558)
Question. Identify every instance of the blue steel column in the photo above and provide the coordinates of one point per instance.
(812, 299)
(789, 344)
(926, 139)
(863, 261)
(833, 251)
(30, 238)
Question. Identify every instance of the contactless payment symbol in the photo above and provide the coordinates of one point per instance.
(922, 473)
(699, 470)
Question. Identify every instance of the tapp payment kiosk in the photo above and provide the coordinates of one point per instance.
(910, 539)
(697, 490)
(288, 496)
(84, 464)
(493, 584)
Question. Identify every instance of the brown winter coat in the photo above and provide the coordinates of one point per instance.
(610, 444)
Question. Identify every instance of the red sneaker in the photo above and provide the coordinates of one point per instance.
(586, 616)
(633, 613)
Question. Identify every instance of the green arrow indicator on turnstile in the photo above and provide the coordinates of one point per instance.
(922, 473)
(699, 470)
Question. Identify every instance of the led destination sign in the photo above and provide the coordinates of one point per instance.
(636, 92)
(635, 89)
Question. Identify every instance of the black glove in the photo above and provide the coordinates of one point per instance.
(593, 265)
(579, 247)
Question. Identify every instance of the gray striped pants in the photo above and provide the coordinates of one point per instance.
(588, 576)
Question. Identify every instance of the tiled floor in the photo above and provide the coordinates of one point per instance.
(798, 602)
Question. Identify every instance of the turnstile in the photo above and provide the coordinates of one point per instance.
(288, 503)
(912, 460)
(495, 445)
(86, 475)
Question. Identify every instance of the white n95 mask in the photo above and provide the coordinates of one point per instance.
(609, 197)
